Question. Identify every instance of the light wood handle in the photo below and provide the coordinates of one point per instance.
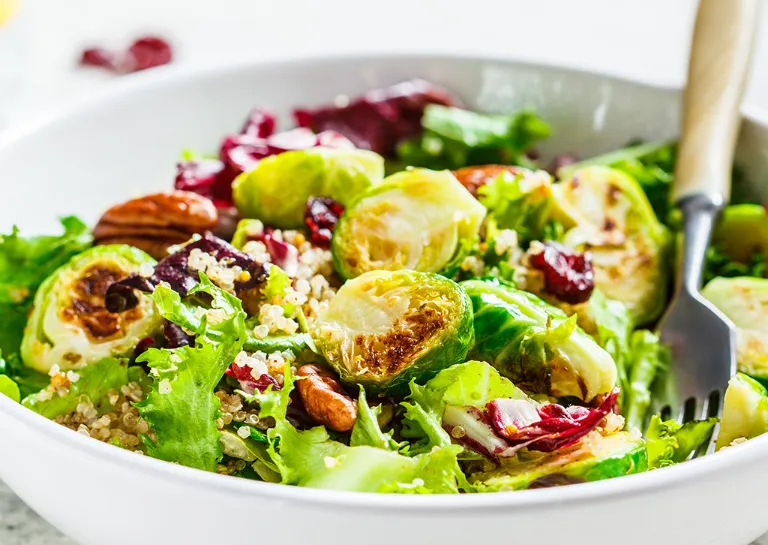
(717, 72)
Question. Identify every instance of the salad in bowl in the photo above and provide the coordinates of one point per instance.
(396, 296)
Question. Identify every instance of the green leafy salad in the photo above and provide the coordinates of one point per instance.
(397, 296)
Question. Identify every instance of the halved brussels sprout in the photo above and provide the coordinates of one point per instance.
(745, 302)
(743, 231)
(603, 457)
(745, 411)
(276, 191)
(383, 329)
(69, 325)
(608, 214)
(536, 345)
(418, 219)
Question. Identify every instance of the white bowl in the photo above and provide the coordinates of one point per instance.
(126, 143)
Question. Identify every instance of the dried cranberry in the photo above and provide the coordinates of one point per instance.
(198, 175)
(149, 52)
(174, 271)
(381, 118)
(98, 56)
(568, 275)
(175, 336)
(144, 344)
(320, 216)
(260, 123)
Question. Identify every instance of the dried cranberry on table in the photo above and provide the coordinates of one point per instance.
(145, 52)
(99, 57)
(379, 119)
(568, 275)
(320, 217)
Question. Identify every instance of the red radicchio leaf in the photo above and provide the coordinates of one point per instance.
(557, 427)
(508, 425)
(381, 118)
(283, 254)
(475, 432)
(174, 270)
(248, 383)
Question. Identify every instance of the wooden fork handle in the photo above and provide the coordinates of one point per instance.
(717, 73)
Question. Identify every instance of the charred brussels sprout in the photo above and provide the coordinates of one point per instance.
(419, 219)
(535, 345)
(277, 190)
(607, 213)
(383, 329)
(745, 411)
(70, 325)
(603, 457)
(745, 302)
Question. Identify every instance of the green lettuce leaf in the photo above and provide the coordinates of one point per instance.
(312, 459)
(526, 211)
(24, 264)
(28, 380)
(181, 407)
(719, 263)
(614, 328)
(367, 431)
(95, 381)
(668, 442)
(647, 357)
(454, 138)
(9, 388)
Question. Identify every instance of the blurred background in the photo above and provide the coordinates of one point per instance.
(41, 43)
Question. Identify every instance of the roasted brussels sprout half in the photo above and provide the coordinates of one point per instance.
(277, 190)
(745, 302)
(745, 411)
(383, 329)
(536, 345)
(607, 213)
(420, 219)
(603, 457)
(69, 324)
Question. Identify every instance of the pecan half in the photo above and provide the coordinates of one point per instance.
(473, 178)
(154, 222)
(324, 399)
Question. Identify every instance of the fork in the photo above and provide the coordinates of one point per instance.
(701, 339)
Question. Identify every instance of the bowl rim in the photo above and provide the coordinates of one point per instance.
(596, 492)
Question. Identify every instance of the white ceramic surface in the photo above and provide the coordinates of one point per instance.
(126, 142)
